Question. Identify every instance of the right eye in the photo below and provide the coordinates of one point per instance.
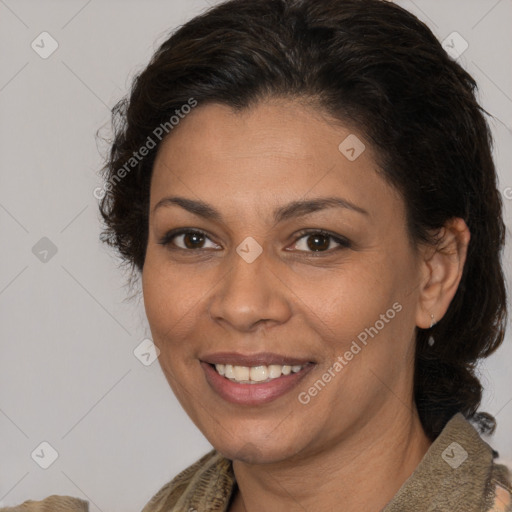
(187, 239)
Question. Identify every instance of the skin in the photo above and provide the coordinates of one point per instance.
(356, 442)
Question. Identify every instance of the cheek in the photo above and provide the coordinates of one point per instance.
(169, 299)
(349, 297)
(363, 311)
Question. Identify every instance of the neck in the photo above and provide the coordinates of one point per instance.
(362, 472)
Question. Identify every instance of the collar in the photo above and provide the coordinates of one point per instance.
(454, 474)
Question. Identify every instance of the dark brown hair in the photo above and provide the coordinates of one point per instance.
(369, 64)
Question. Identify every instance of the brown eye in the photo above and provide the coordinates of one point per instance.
(188, 240)
(318, 241)
(193, 240)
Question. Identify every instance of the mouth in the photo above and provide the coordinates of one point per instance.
(253, 380)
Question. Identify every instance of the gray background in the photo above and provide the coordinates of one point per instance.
(68, 373)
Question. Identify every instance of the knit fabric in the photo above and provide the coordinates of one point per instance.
(457, 474)
(52, 503)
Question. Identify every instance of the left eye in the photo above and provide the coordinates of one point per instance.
(319, 242)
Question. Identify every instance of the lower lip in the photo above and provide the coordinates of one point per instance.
(253, 394)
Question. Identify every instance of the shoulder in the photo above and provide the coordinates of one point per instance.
(458, 472)
(52, 503)
(501, 486)
(208, 480)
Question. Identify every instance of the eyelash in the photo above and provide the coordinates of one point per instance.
(343, 242)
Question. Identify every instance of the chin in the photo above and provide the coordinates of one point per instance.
(258, 450)
(252, 454)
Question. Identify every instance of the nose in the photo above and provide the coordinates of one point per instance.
(250, 294)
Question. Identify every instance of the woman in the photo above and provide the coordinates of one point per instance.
(307, 191)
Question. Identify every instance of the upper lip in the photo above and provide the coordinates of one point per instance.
(259, 359)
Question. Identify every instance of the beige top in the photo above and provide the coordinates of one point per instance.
(457, 474)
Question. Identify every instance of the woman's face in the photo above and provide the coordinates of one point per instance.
(253, 285)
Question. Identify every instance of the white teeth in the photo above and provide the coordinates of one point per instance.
(228, 372)
(274, 371)
(241, 373)
(259, 373)
(254, 374)
(286, 370)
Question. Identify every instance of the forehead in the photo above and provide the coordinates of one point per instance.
(278, 150)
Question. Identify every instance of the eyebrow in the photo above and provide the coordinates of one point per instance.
(293, 209)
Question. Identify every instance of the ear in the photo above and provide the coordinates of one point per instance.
(441, 268)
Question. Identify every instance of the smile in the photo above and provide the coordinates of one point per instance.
(256, 383)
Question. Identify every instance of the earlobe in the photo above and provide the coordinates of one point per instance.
(442, 268)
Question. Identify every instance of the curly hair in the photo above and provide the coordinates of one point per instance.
(369, 64)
